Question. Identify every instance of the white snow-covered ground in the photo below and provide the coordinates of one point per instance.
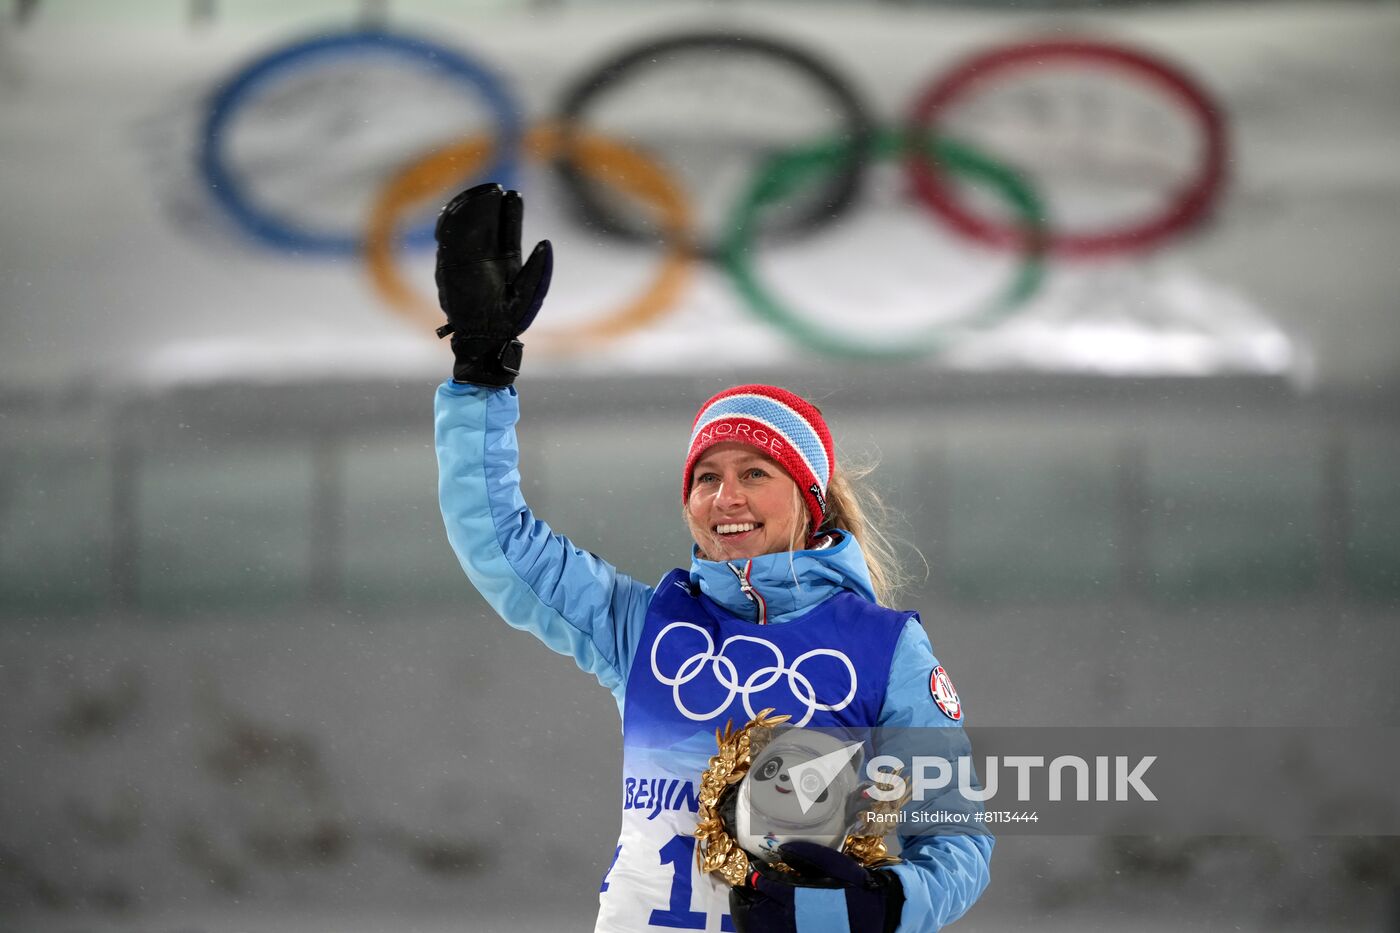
(980, 921)
(314, 771)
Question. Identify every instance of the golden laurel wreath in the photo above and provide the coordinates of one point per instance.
(718, 851)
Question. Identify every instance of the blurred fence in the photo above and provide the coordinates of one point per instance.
(1021, 491)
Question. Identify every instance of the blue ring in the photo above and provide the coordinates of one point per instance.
(272, 230)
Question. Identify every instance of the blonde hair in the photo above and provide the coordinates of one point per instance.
(853, 506)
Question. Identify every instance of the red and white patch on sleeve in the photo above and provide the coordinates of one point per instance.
(945, 694)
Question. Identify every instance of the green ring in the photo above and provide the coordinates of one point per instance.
(788, 171)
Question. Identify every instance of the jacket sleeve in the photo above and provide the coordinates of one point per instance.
(538, 581)
(943, 875)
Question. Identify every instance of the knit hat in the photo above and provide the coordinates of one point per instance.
(781, 425)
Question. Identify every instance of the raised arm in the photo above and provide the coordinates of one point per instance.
(573, 601)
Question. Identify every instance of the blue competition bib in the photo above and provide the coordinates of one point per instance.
(697, 667)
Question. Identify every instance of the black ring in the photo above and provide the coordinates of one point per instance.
(838, 194)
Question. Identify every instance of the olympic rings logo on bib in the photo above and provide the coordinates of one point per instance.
(724, 673)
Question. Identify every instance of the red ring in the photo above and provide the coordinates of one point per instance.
(1190, 207)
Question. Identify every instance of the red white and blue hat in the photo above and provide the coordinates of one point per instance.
(783, 426)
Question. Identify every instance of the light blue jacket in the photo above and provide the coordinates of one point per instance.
(582, 606)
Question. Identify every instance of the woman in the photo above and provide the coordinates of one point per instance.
(778, 580)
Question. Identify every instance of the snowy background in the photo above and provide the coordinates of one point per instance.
(243, 685)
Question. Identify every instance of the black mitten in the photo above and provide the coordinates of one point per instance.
(830, 891)
(488, 296)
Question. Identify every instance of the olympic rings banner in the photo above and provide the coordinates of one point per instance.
(720, 195)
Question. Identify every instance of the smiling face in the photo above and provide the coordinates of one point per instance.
(742, 504)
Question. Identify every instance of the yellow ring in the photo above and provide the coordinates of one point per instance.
(607, 161)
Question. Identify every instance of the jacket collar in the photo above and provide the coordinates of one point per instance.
(786, 584)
